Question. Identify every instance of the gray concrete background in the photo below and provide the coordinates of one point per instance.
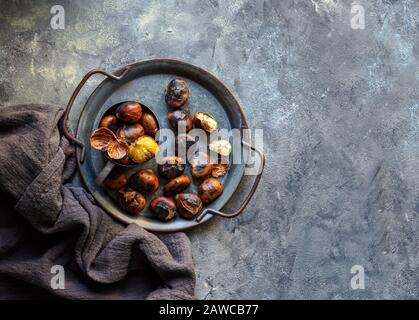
(340, 110)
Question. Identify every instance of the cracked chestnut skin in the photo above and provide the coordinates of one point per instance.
(171, 167)
(201, 166)
(179, 116)
(130, 200)
(176, 93)
(176, 185)
(188, 205)
(209, 190)
(144, 181)
(163, 207)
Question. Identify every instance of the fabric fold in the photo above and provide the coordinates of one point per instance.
(49, 222)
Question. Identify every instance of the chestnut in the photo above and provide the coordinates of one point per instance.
(171, 167)
(209, 190)
(205, 121)
(149, 123)
(176, 93)
(164, 208)
(144, 181)
(116, 179)
(176, 185)
(129, 112)
(109, 121)
(200, 165)
(180, 118)
(131, 200)
(126, 160)
(130, 132)
(188, 205)
(183, 142)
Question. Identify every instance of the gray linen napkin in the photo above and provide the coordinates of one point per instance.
(45, 222)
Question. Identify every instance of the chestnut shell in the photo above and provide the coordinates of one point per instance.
(130, 132)
(130, 200)
(200, 165)
(163, 207)
(149, 123)
(144, 181)
(171, 167)
(209, 190)
(129, 112)
(109, 121)
(188, 205)
(179, 116)
(176, 185)
(176, 93)
(205, 121)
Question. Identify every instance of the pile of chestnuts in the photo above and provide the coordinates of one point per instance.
(128, 137)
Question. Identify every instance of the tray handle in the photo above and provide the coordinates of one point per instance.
(249, 196)
(86, 77)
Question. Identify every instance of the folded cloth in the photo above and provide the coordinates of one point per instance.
(54, 240)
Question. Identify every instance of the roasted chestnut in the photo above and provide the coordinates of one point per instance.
(130, 132)
(176, 93)
(143, 149)
(149, 123)
(180, 118)
(205, 121)
(116, 179)
(144, 181)
(222, 147)
(209, 190)
(184, 141)
(129, 112)
(164, 208)
(200, 165)
(188, 205)
(109, 121)
(171, 167)
(131, 200)
(176, 185)
(220, 169)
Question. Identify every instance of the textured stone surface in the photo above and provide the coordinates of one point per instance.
(340, 110)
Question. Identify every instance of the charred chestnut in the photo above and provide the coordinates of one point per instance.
(109, 121)
(200, 165)
(209, 190)
(180, 119)
(183, 142)
(164, 208)
(129, 112)
(116, 179)
(171, 167)
(149, 123)
(130, 132)
(188, 205)
(176, 185)
(144, 181)
(205, 121)
(131, 200)
(176, 93)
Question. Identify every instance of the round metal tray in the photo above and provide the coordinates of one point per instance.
(145, 81)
